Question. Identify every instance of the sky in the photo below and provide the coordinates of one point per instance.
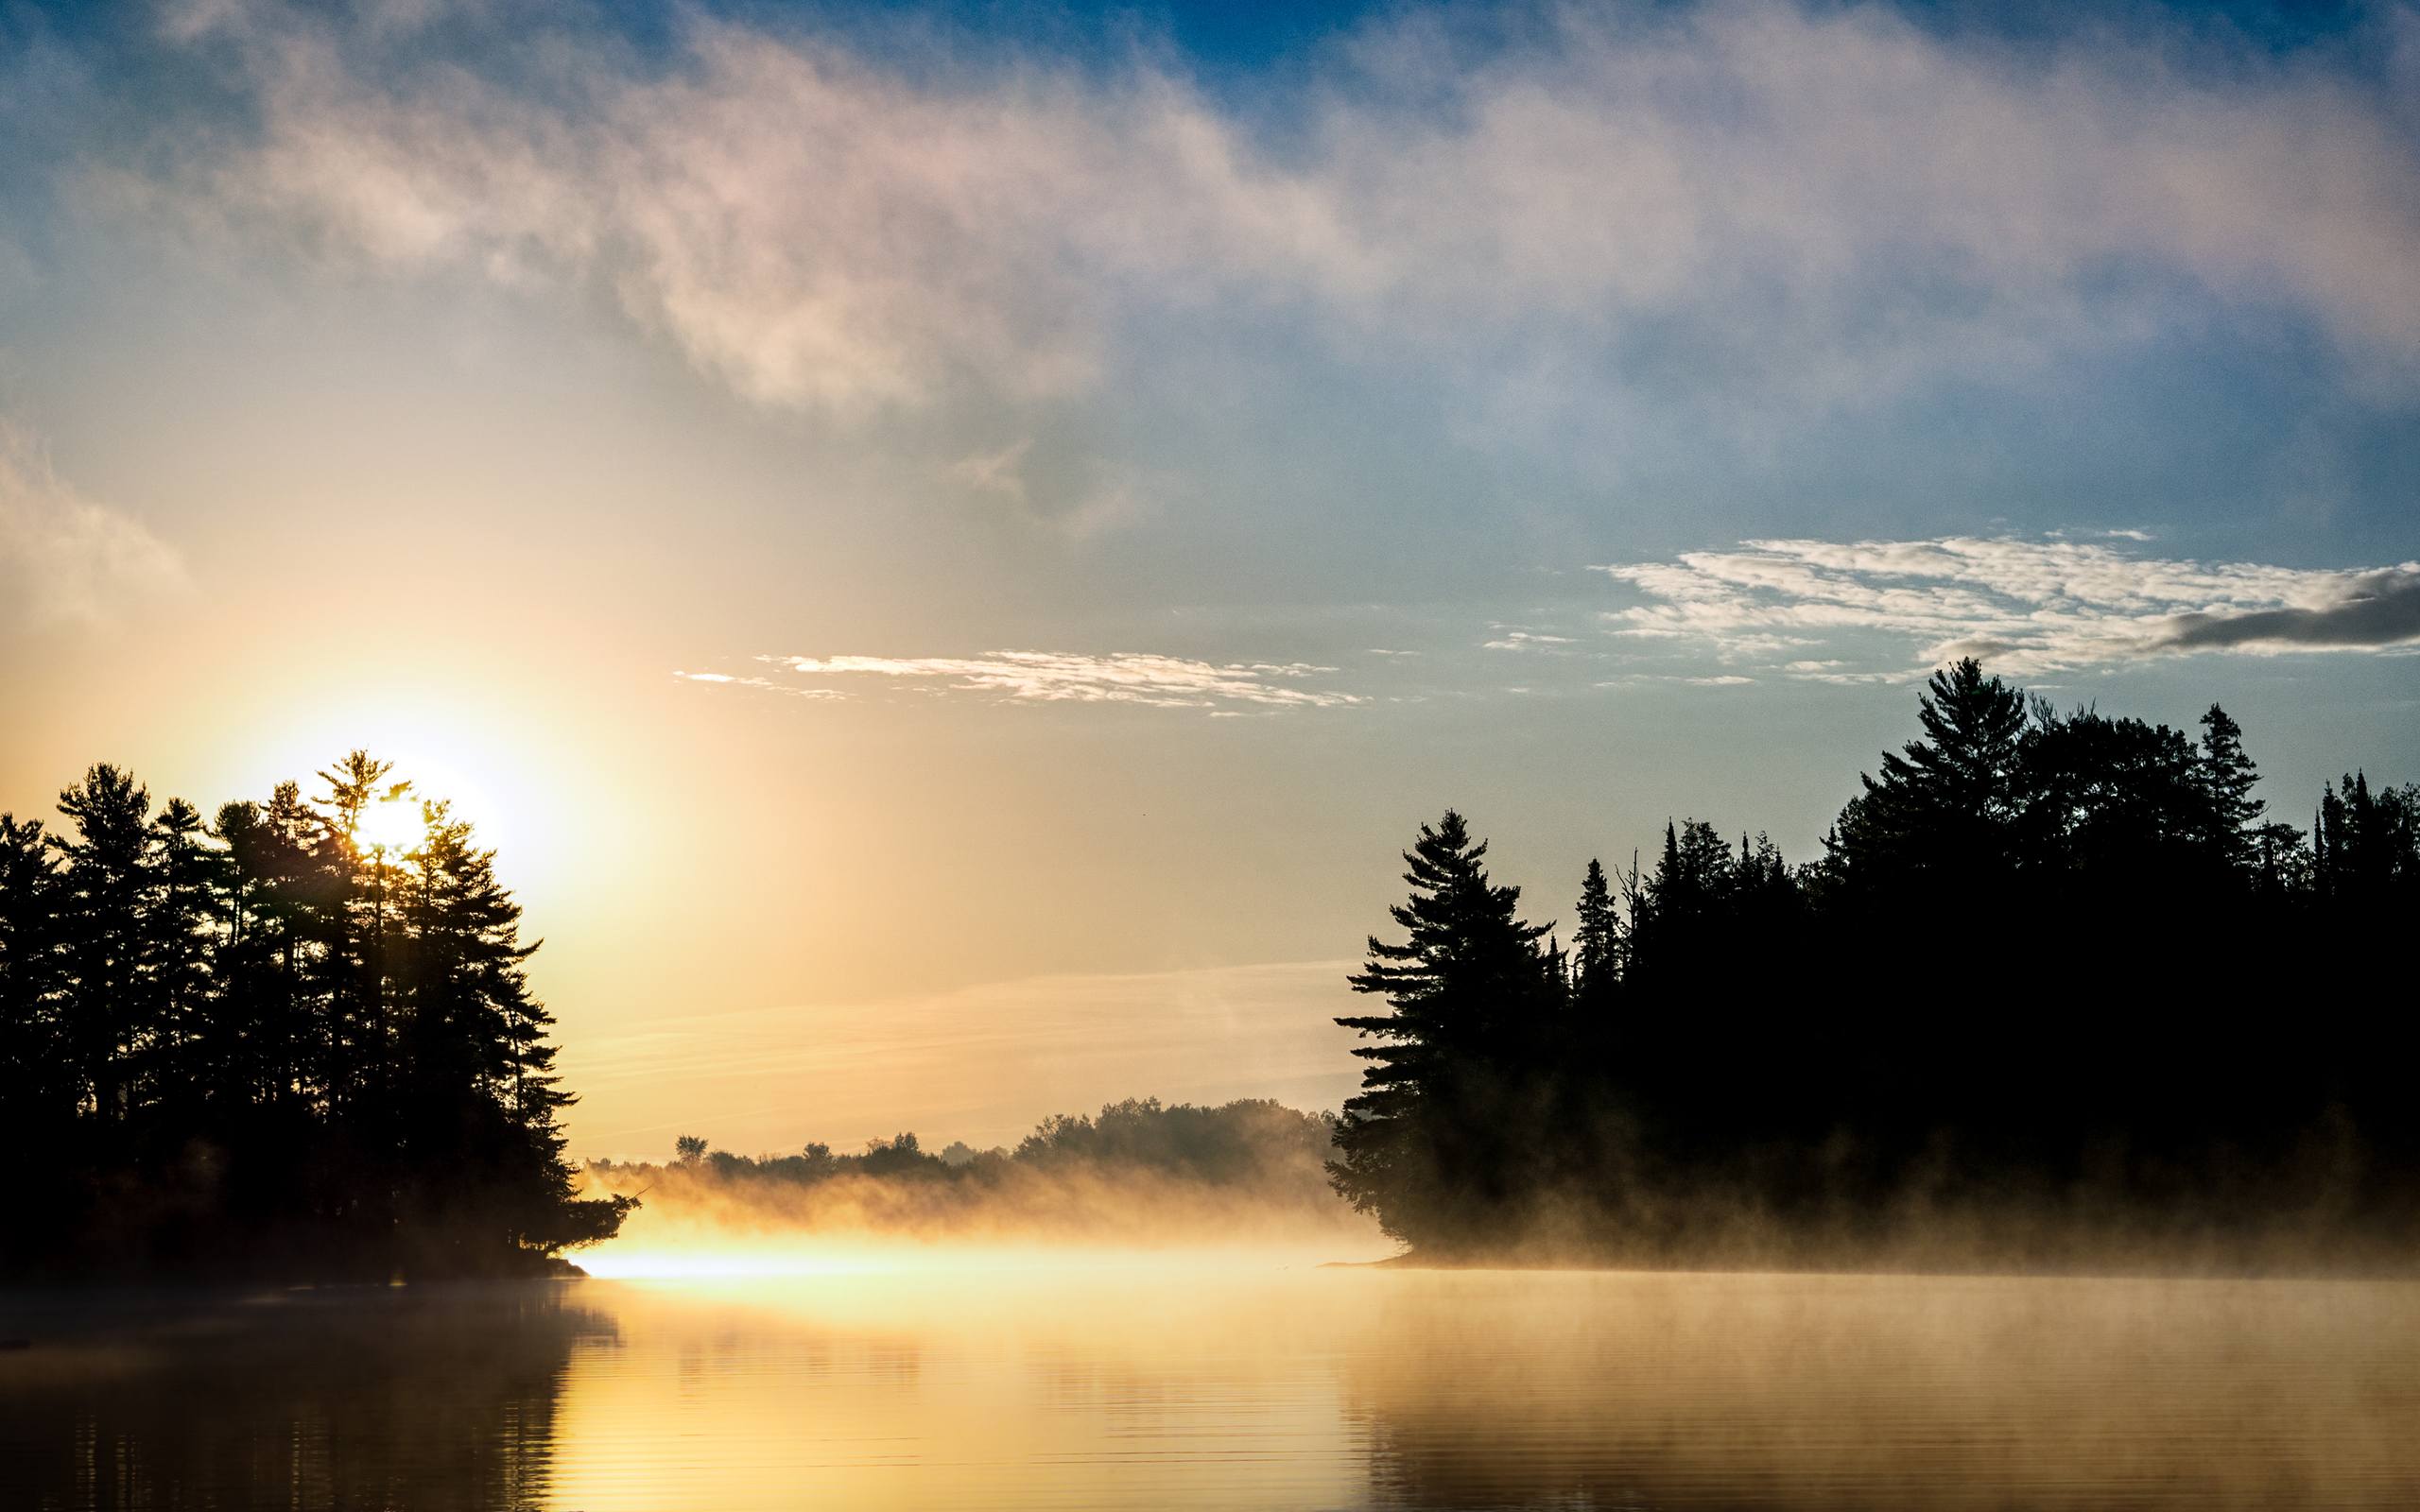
(949, 548)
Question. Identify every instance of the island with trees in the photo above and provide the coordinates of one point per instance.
(294, 1041)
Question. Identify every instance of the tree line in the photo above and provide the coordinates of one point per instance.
(2057, 976)
(277, 1042)
(1250, 1141)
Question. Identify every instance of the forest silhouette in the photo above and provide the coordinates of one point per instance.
(297, 1042)
(2057, 992)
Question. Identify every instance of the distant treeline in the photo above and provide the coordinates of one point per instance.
(1252, 1141)
(2057, 991)
(1140, 1173)
(265, 1045)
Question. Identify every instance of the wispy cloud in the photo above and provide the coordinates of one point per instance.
(733, 680)
(1000, 472)
(1061, 676)
(2024, 606)
(1510, 638)
(1869, 204)
(65, 561)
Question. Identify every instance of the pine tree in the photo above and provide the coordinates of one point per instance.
(29, 980)
(2227, 777)
(1423, 1145)
(178, 948)
(1596, 946)
(1944, 806)
(102, 916)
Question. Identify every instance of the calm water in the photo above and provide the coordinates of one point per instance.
(1171, 1386)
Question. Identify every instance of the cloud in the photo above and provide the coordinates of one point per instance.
(2023, 606)
(1513, 640)
(728, 679)
(2375, 610)
(1000, 472)
(1059, 677)
(1830, 202)
(65, 561)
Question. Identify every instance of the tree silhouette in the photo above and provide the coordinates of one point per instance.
(265, 1045)
(1472, 1006)
(2048, 963)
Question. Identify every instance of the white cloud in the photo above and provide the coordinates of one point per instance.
(65, 561)
(1511, 640)
(721, 680)
(2022, 606)
(1831, 203)
(1059, 676)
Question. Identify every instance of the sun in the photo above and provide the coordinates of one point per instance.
(393, 827)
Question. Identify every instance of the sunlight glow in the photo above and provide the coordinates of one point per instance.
(774, 1257)
(393, 828)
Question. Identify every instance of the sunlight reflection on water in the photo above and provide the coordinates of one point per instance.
(1199, 1384)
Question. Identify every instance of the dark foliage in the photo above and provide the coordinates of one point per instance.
(268, 1046)
(2054, 975)
(1248, 1143)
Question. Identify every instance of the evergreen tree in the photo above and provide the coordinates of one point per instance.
(1427, 1143)
(31, 1094)
(2227, 778)
(101, 924)
(1942, 816)
(1596, 946)
(178, 947)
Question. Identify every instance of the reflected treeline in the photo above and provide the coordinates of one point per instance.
(410, 1399)
(2057, 991)
(296, 1040)
(1861, 1393)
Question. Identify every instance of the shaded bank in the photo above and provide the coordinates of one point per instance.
(2058, 994)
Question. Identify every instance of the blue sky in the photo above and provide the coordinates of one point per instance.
(784, 462)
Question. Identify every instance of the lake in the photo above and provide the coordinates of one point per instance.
(1162, 1383)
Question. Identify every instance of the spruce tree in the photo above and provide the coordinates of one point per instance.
(1430, 1143)
(2227, 777)
(1596, 945)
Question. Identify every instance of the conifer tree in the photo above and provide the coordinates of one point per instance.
(29, 979)
(2228, 777)
(178, 948)
(102, 916)
(1596, 945)
(1423, 1145)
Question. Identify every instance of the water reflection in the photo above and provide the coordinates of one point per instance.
(1162, 1386)
(435, 1398)
(1839, 1392)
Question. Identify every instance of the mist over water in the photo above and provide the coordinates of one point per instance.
(693, 1224)
(1192, 1379)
